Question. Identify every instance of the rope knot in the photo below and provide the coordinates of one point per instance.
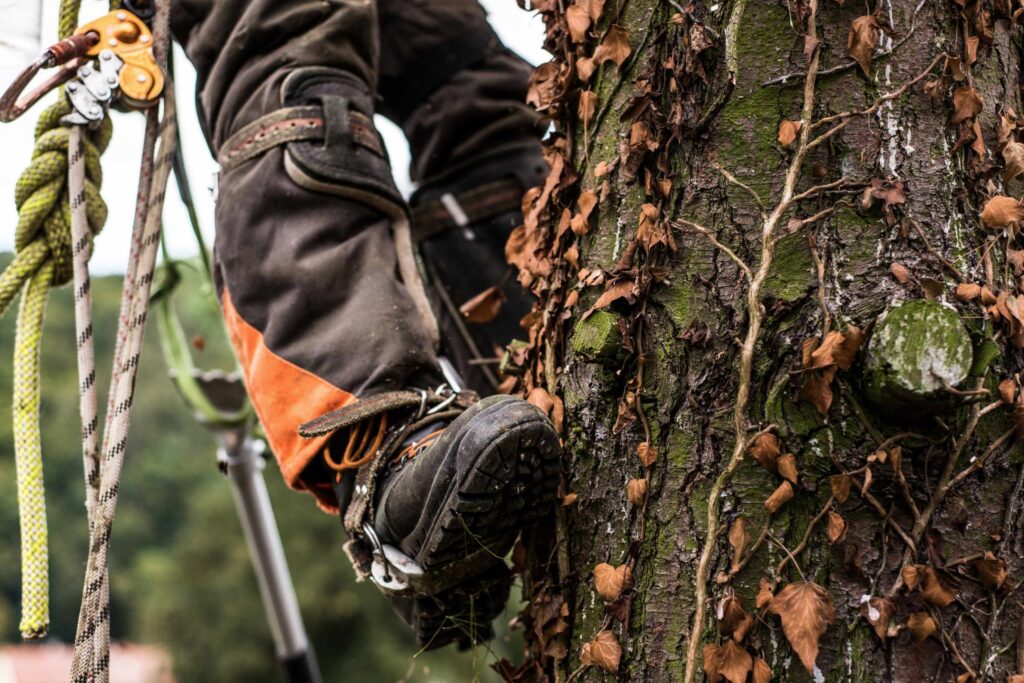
(41, 193)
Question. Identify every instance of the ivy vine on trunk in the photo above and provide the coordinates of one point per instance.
(779, 271)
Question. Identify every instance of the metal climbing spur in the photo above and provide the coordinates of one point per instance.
(106, 61)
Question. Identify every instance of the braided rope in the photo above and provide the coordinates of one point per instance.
(92, 642)
(43, 259)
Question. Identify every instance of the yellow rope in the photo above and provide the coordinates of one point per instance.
(43, 259)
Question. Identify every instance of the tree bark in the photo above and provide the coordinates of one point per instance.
(782, 259)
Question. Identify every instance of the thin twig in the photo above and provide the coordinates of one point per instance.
(738, 183)
(681, 222)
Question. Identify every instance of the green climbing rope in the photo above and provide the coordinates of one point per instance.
(43, 260)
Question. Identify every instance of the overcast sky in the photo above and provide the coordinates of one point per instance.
(30, 24)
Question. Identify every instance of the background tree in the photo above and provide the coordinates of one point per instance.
(778, 266)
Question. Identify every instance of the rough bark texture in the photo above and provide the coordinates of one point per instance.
(948, 478)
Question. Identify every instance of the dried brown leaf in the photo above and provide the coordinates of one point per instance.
(817, 390)
(647, 453)
(614, 48)
(587, 107)
(738, 539)
(764, 593)
(836, 527)
(1013, 160)
(911, 575)
(878, 611)
(766, 449)
(841, 485)
(862, 40)
(610, 582)
(730, 662)
(921, 625)
(806, 611)
(1008, 391)
(578, 19)
(782, 495)
(1000, 211)
(569, 499)
(967, 104)
(900, 272)
(935, 590)
(484, 307)
(762, 671)
(636, 491)
(991, 570)
(968, 291)
(787, 467)
(788, 130)
(603, 651)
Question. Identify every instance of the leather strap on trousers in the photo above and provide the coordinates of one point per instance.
(292, 124)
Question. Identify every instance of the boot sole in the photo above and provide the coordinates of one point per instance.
(511, 484)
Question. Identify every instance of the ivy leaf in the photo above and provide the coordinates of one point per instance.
(787, 467)
(806, 611)
(729, 661)
(604, 651)
(647, 453)
(738, 539)
(900, 272)
(578, 19)
(782, 495)
(733, 620)
(611, 581)
(921, 625)
(764, 593)
(841, 485)
(818, 392)
(911, 575)
(788, 131)
(636, 491)
(968, 291)
(484, 307)
(836, 527)
(587, 107)
(934, 590)
(1013, 160)
(1000, 211)
(762, 671)
(862, 40)
(991, 570)
(766, 450)
(967, 104)
(877, 611)
(1008, 391)
(614, 48)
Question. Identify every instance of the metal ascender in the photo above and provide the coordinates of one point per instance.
(106, 61)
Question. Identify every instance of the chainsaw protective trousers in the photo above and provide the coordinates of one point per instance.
(311, 256)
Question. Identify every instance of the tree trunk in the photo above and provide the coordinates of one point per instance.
(764, 235)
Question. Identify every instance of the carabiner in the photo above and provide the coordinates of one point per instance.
(13, 105)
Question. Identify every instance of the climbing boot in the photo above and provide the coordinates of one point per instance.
(435, 501)
(465, 217)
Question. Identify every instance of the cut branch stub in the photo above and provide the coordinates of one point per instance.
(598, 338)
(918, 352)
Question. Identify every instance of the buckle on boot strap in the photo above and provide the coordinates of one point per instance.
(395, 573)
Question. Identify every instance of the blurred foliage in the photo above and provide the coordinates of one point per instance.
(180, 571)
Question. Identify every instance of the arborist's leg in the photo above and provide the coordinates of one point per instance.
(459, 95)
(325, 309)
